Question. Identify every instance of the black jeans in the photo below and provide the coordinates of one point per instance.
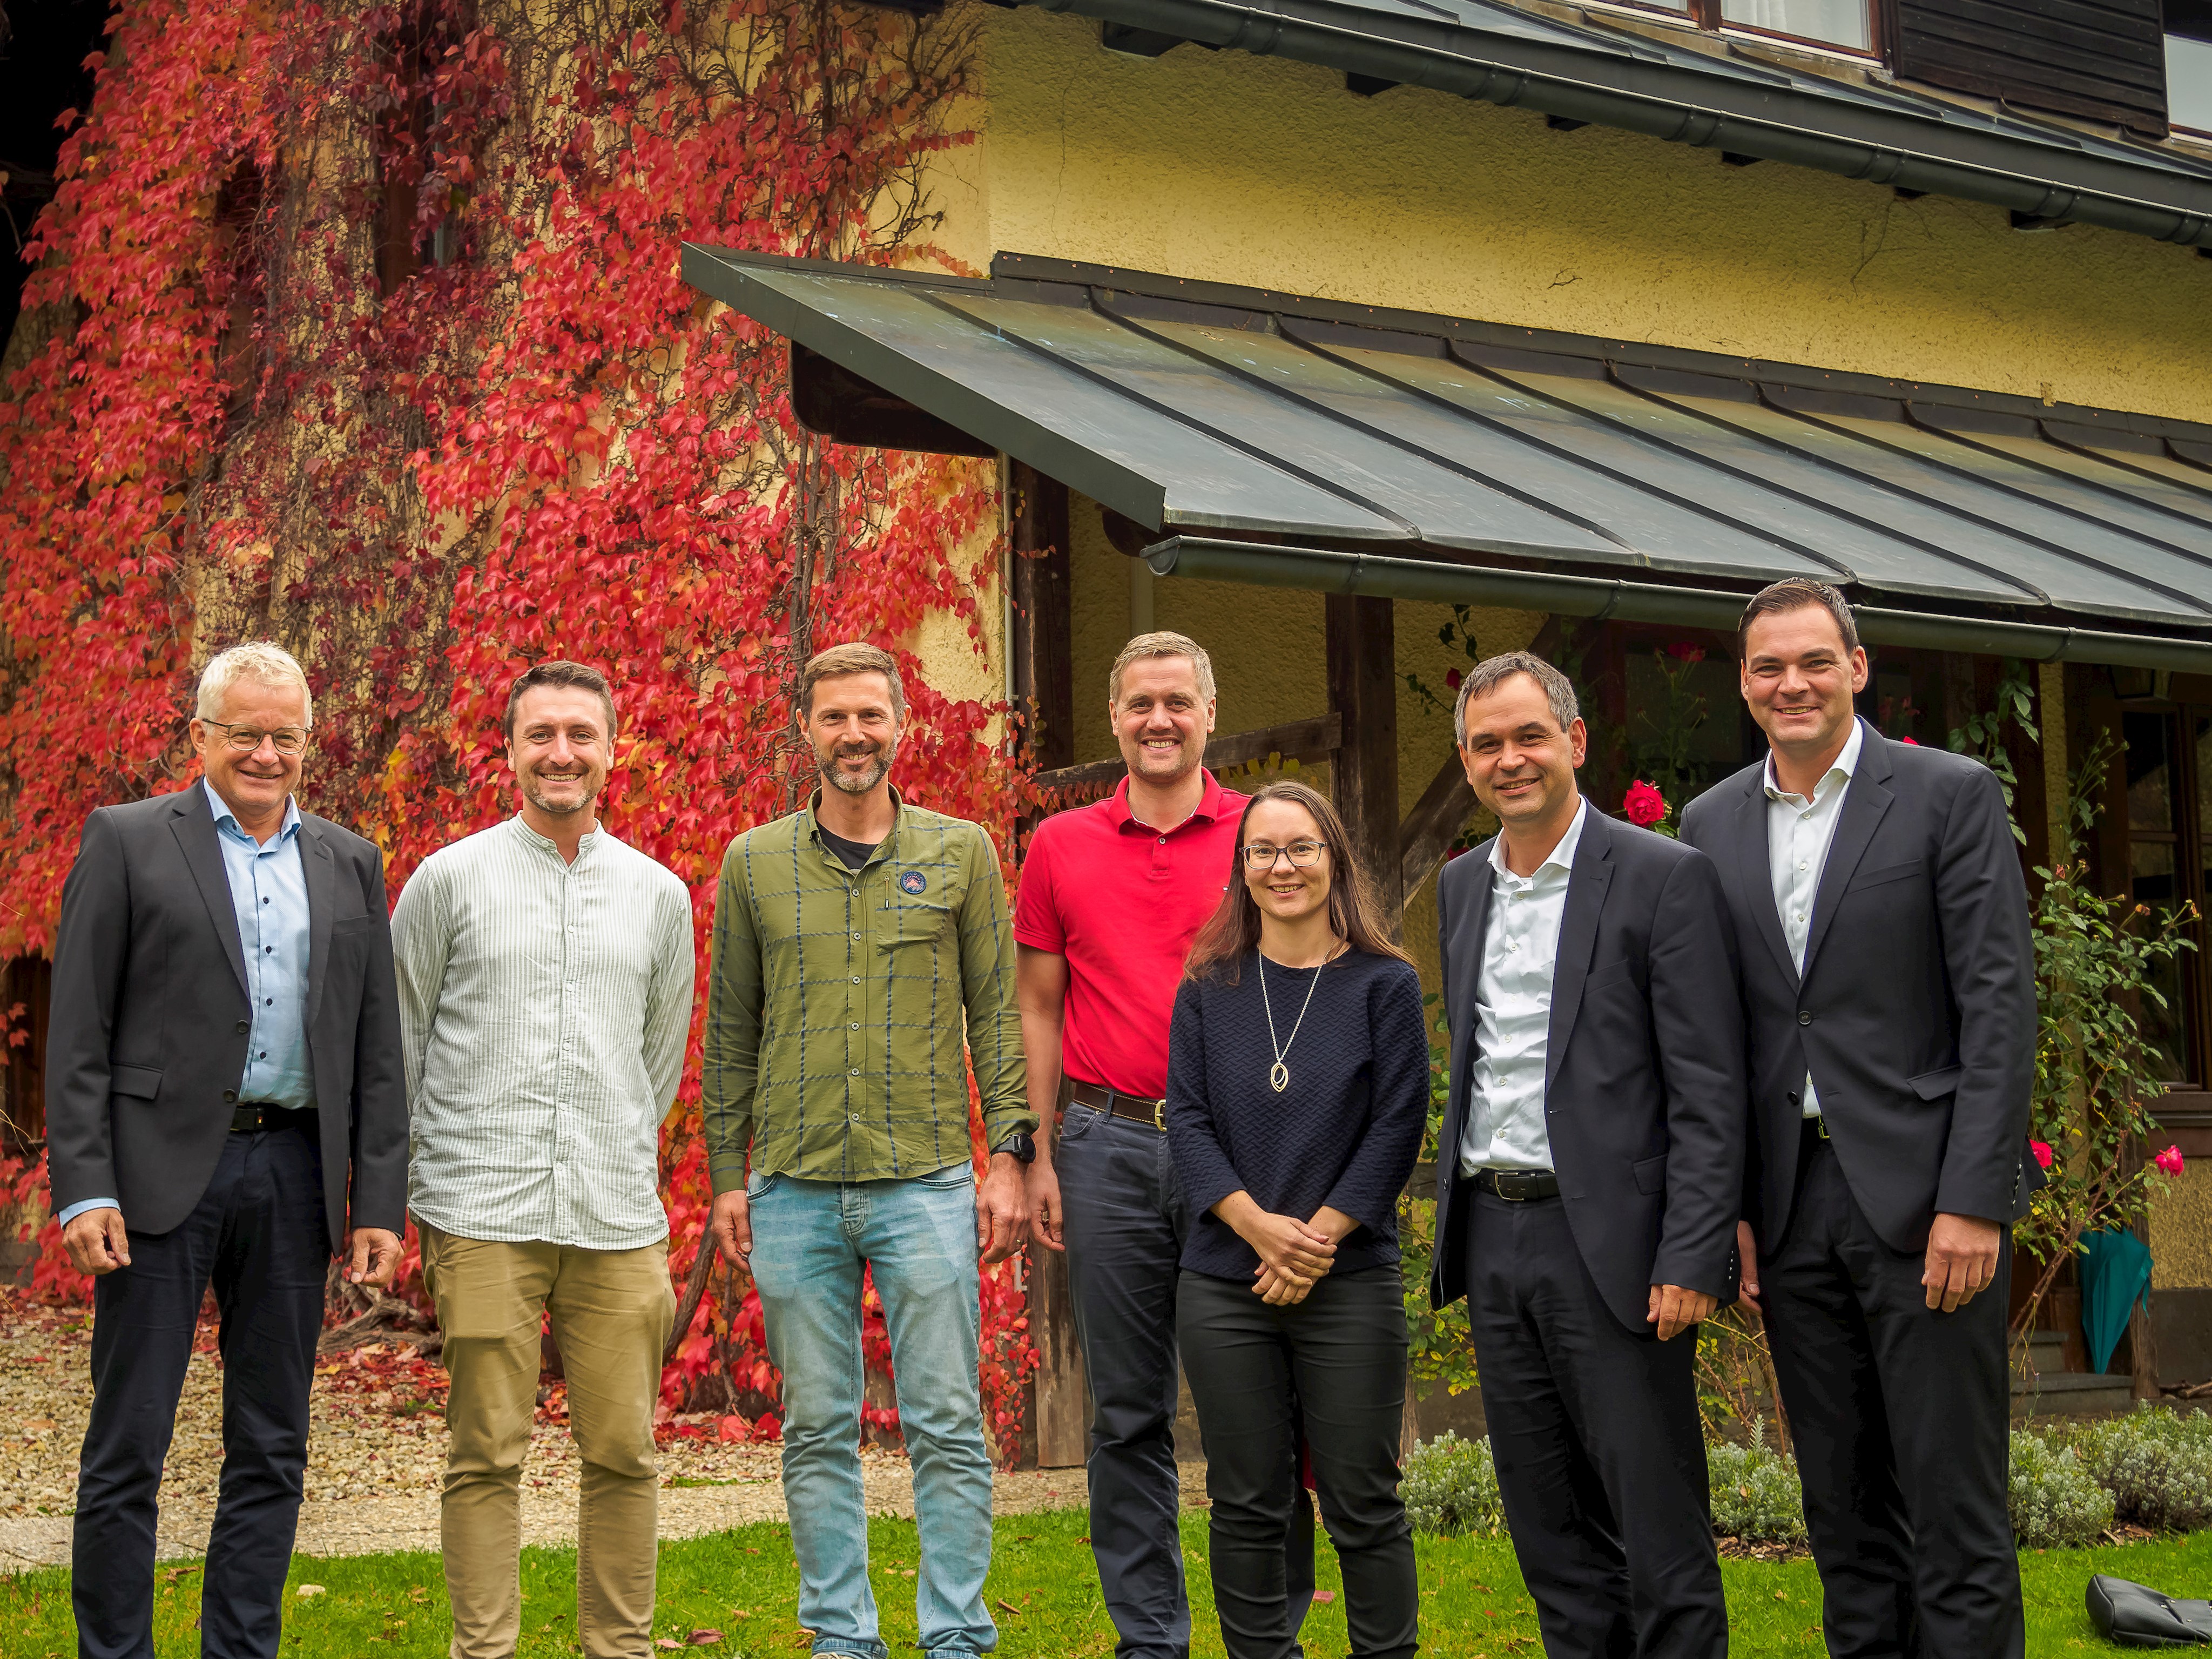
(1900, 1418)
(259, 1234)
(1601, 1457)
(1123, 1224)
(1338, 1359)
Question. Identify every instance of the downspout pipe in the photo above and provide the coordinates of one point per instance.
(1764, 118)
(1324, 570)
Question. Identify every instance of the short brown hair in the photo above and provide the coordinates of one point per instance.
(1162, 644)
(1486, 676)
(1794, 594)
(854, 658)
(559, 671)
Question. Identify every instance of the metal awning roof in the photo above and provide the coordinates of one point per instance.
(1321, 444)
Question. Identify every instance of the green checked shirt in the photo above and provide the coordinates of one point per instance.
(834, 1008)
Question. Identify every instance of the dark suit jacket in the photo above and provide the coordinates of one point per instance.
(1915, 1013)
(1644, 1096)
(146, 1042)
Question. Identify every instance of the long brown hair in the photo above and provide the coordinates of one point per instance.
(1233, 930)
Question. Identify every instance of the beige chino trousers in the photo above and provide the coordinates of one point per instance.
(611, 1310)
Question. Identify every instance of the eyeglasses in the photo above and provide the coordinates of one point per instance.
(1303, 854)
(288, 739)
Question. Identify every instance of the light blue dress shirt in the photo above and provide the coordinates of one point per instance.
(269, 895)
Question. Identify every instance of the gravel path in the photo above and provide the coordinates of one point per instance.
(374, 1459)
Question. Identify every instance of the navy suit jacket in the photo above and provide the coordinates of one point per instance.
(1644, 1094)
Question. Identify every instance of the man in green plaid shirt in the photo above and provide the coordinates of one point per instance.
(863, 955)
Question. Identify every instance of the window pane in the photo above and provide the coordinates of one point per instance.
(2203, 725)
(2150, 772)
(2189, 82)
(1843, 23)
(2166, 1029)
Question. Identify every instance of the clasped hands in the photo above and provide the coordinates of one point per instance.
(1294, 1255)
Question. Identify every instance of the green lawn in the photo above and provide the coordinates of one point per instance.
(744, 1585)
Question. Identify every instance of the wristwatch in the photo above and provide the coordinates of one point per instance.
(1019, 1145)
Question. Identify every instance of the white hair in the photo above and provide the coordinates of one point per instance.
(258, 660)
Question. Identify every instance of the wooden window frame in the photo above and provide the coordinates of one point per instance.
(2191, 840)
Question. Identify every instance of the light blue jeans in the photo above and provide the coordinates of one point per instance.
(810, 1239)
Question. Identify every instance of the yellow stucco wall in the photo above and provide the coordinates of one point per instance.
(2181, 1230)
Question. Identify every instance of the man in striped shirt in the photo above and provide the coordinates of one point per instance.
(853, 941)
(545, 981)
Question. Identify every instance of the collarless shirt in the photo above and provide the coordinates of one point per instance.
(544, 1009)
(269, 896)
(1122, 901)
(1800, 829)
(1513, 1010)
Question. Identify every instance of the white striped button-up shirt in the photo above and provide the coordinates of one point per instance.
(544, 1008)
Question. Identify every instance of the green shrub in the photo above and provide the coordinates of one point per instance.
(1755, 1493)
(1450, 1488)
(2053, 1498)
(2157, 1464)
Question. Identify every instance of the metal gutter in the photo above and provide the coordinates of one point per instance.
(1770, 114)
(1324, 570)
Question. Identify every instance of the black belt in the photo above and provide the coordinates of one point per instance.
(1518, 1186)
(1133, 1108)
(1816, 1128)
(252, 1116)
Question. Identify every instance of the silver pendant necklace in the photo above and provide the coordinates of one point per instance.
(1280, 1074)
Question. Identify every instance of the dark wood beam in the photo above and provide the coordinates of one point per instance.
(1363, 689)
(1433, 824)
(1309, 741)
(1043, 657)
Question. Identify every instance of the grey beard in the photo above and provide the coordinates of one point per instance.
(860, 785)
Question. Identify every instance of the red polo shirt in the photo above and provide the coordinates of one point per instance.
(1122, 902)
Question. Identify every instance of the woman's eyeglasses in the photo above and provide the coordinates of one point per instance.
(1303, 854)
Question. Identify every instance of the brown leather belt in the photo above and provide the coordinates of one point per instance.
(1133, 1108)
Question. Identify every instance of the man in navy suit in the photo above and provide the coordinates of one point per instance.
(1889, 996)
(1591, 1155)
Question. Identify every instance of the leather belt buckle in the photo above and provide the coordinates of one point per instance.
(1160, 1116)
(252, 1116)
(1519, 1186)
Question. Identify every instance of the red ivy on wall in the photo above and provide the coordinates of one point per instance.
(364, 329)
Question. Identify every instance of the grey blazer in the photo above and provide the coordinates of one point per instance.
(146, 1040)
(1916, 1011)
(1645, 1097)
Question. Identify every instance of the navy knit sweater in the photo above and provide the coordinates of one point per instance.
(1344, 1133)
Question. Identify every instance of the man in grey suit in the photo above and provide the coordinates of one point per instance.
(223, 1074)
(1591, 1154)
(1889, 997)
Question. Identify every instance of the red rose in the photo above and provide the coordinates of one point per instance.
(1643, 803)
(1915, 742)
(1452, 678)
(1686, 652)
(2169, 1161)
(2042, 1150)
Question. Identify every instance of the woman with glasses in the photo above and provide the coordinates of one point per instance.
(1297, 1093)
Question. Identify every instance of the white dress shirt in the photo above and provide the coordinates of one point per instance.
(1799, 832)
(544, 1008)
(1513, 1011)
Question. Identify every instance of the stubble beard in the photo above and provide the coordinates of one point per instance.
(845, 783)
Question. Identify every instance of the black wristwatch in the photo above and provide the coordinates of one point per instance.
(1019, 1145)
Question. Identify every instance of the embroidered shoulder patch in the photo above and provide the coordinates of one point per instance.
(912, 881)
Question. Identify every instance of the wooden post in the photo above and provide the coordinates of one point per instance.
(1363, 689)
(1044, 711)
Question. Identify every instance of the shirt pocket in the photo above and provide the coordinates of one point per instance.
(914, 922)
(1886, 874)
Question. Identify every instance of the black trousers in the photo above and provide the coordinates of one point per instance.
(259, 1235)
(1124, 1232)
(1899, 1417)
(1601, 1457)
(1339, 1358)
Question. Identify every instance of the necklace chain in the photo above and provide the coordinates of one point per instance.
(1278, 1075)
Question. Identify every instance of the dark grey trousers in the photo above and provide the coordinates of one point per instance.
(1123, 1225)
(1601, 1457)
(1900, 1420)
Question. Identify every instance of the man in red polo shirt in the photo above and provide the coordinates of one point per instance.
(1111, 896)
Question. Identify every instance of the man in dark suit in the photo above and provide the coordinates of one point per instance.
(223, 1073)
(1889, 996)
(1591, 1155)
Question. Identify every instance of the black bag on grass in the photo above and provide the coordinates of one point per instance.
(2137, 1616)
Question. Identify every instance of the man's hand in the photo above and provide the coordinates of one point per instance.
(1962, 1260)
(96, 1242)
(732, 1227)
(1041, 1188)
(376, 1257)
(1002, 1213)
(1674, 1309)
(1746, 1247)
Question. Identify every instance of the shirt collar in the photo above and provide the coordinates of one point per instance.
(1847, 763)
(1207, 811)
(530, 836)
(813, 826)
(224, 816)
(1562, 856)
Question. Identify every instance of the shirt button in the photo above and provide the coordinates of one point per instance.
(1164, 841)
(856, 936)
(855, 1072)
(856, 979)
(856, 1024)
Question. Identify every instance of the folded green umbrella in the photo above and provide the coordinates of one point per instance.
(2115, 1274)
